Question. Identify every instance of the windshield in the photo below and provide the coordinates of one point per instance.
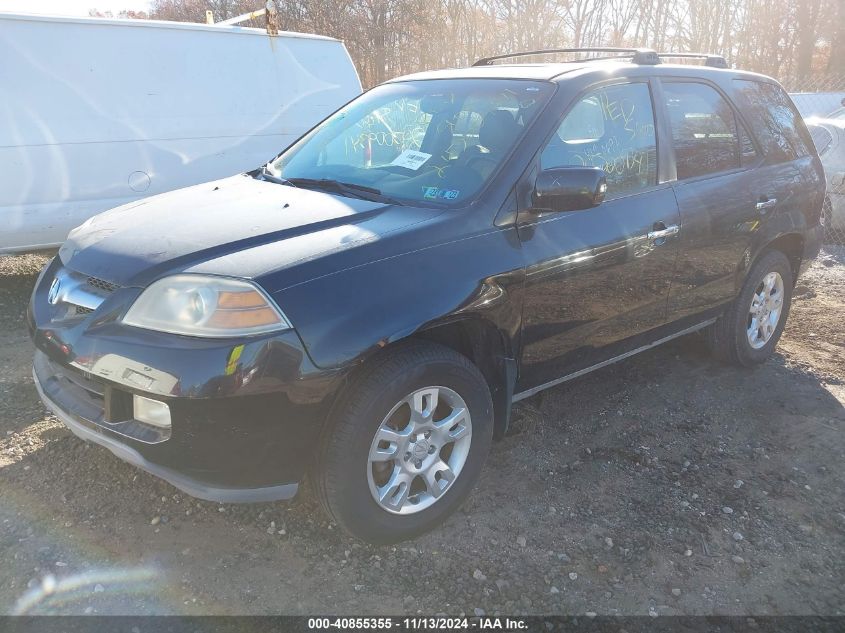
(420, 141)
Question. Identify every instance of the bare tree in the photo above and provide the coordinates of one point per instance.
(391, 37)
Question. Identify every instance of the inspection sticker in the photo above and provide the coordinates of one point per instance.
(433, 193)
(411, 159)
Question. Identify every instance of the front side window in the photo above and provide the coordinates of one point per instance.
(433, 141)
(704, 130)
(773, 120)
(612, 128)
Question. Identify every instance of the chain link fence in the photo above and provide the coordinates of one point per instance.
(821, 101)
(834, 216)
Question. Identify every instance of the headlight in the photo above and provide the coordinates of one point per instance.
(197, 305)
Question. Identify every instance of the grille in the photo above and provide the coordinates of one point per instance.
(76, 296)
(100, 284)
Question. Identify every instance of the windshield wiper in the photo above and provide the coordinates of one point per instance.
(345, 188)
(267, 175)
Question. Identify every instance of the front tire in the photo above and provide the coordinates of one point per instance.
(405, 444)
(749, 330)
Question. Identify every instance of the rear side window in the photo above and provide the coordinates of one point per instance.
(611, 128)
(704, 131)
(773, 120)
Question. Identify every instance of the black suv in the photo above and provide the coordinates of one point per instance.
(367, 306)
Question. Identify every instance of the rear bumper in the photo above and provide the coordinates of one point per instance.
(87, 430)
(813, 238)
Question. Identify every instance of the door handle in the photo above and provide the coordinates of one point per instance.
(672, 229)
(766, 204)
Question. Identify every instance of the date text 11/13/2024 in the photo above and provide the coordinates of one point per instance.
(421, 623)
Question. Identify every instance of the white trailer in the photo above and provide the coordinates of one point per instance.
(98, 112)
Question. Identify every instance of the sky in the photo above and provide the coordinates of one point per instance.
(71, 7)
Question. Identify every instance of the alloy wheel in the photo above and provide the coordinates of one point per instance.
(766, 308)
(419, 450)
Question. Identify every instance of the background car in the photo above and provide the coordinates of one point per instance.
(823, 104)
(829, 138)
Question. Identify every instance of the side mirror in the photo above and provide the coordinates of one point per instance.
(569, 188)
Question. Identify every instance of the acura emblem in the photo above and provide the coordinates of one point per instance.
(53, 295)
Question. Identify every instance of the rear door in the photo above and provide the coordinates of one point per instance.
(597, 278)
(717, 192)
(743, 176)
(790, 181)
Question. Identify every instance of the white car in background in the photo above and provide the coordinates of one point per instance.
(819, 104)
(96, 113)
(829, 137)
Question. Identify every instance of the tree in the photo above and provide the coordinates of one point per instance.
(391, 37)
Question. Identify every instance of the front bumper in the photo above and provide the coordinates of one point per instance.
(245, 415)
(86, 430)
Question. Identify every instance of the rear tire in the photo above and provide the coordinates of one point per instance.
(749, 330)
(398, 456)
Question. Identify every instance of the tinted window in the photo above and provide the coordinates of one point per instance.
(773, 120)
(611, 128)
(704, 130)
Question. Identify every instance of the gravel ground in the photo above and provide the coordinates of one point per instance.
(664, 484)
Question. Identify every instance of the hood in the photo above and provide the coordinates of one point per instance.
(238, 226)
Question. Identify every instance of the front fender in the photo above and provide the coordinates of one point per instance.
(344, 316)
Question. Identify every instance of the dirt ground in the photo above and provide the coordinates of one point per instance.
(665, 484)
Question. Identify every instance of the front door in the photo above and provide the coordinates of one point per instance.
(597, 278)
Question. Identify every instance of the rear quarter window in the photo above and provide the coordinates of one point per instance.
(773, 119)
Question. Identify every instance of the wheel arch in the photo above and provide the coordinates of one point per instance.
(790, 244)
(490, 349)
(487, 346)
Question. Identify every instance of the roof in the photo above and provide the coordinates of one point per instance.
(555, 70)
(155, 24)
(501, 71)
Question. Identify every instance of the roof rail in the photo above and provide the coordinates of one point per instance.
(645, 56)
(714, 61)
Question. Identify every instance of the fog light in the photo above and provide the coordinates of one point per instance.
(151, 411)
